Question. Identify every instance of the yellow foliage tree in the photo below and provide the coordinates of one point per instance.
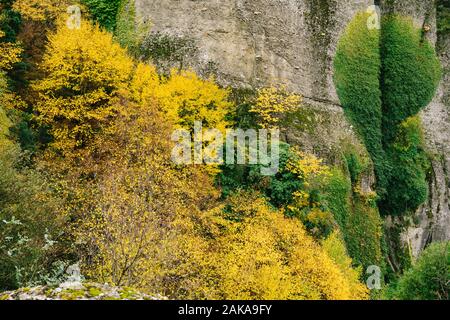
(311, 170)
(285, 262)
(84, 70)
(334, 246)
(186, 98)
(138, 222)
(5, 124)
(306, 166)
(9, 54)
(41, 10)
(274, 103)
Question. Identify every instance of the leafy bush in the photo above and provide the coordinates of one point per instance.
(45, 11)
(408, 186)
(429, 278)
(286, 262)
(30, 227)
(186, 98)
(279, 189)
(357, 67)
(129, 31)
(443, 16)
(84, 69)
(104, 11)
(410, 72)
(382, 78)
(9, 20)
(335, 247)
(359, 222)
(272, 104)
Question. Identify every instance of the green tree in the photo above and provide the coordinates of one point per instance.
(104, 12)
(429, 278)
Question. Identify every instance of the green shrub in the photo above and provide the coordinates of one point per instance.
(5, 124)
(104, 12)
(337, 196)
(9, 20)
(129, 32)
(359, 222)
(357, 67)
(278, 189)
(383, 78)
(30, 227)
(410, 72)
(429, 278)
(408, 187)
(363, 234)
(443, 16)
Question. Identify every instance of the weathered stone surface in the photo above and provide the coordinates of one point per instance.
(77, 291)
(258, 42)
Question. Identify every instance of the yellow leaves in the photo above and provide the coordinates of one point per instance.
(88, 76)
(5, 124)
(144, 223)
(285, 262)
(9, 54)
(40, 10)
(144, 84)
(335, 248)
(306, 166)
(273, 103)
(187, 98)
(84, 59)
(85, 70)
(301, 199)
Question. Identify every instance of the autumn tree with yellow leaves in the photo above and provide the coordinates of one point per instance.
(10, 54)
(286, 263)
(273, 104)
(187, 98)
(84, 69)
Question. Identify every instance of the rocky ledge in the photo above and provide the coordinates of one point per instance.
(78, 291)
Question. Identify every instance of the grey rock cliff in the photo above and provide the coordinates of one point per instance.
(258, 42)
(253, 43)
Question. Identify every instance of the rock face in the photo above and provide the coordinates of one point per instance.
(252, 43)
(77, 291)
(258, 42)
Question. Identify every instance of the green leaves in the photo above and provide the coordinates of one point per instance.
(429, 278)
(383, 77)
(410, 72)
(104, 12)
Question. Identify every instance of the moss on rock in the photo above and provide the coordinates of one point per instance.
(78, 291)
(383, 77)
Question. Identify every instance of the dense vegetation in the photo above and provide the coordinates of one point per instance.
(86, 174)
(428, 279)
(104, 12)
(384, 78)
(443, 16)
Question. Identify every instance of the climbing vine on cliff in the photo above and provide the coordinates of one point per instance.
(383, 78)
